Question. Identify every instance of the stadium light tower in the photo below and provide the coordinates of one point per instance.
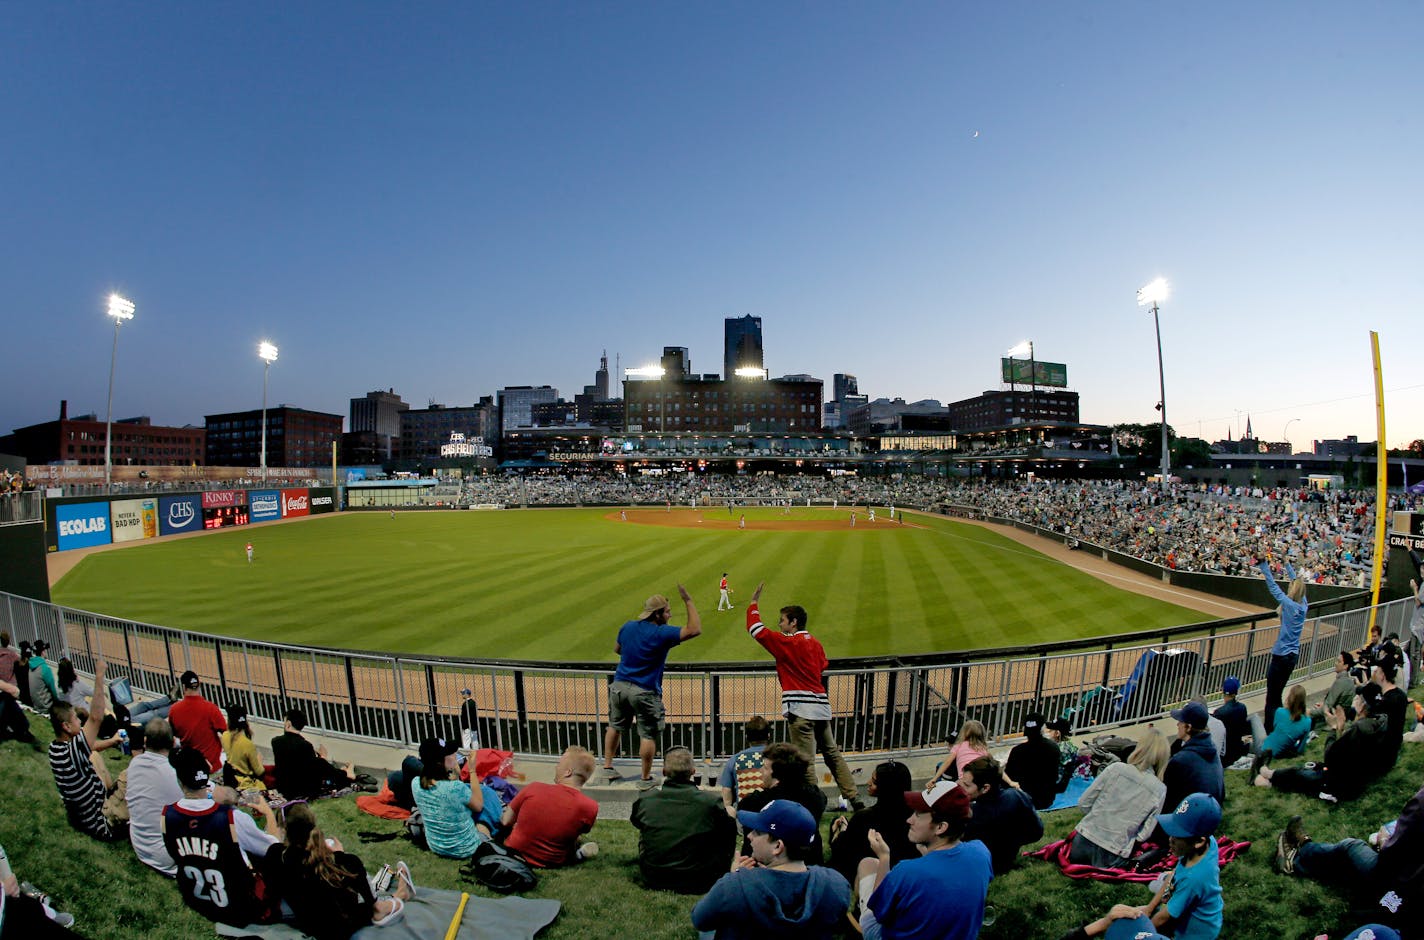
(1026, 347)
(121, 310)
(1152, 295)
(268, 354)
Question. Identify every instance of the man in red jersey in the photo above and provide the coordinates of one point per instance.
(197, 722)
(800, 663)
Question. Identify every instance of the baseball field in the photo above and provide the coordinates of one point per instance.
(555, 584)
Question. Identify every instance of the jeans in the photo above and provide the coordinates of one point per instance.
(808, 737)
(1350, 860)
(1278, 673)
(141, 712)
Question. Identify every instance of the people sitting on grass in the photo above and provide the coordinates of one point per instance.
(23, 917)
(43, 691)
(72, 688)
(1340, 693)
(742, 773)
(244, 770)
(889, 816)
(152, 785)
(1060, 731)
(942, 893)
(1288, 734)
(197, 722)
(1191, 891)
(457, 816)
(1195, 766)
(1121, 806)
(1386, 873)
(224, 869)
(780, 889)
(547, 820)
(1233, 717)
(13, 723)
(1033, 765)
(302, 771)
(1004, 818)
(1359, 755)
(785, 774)
(686, 838)
(82, 780)
(1393, 702)
(971, 744)
(327, 887)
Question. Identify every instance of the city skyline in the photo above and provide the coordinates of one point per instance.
(456, 201)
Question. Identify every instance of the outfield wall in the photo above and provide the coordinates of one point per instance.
(888, 705)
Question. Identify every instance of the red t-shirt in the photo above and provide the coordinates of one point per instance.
(550, 818)
(198, 722)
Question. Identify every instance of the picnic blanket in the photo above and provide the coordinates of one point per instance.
(1068, 799)
(1226, 851)
(382, 804)
(429, 915)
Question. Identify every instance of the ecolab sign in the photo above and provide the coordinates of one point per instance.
(79, 525)
(177, 514)
(264, 504)
(295, 503)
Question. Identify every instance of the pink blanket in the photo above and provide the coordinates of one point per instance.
(1226, 850)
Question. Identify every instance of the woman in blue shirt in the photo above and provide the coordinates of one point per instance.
(1287, 738)
(1286, 650)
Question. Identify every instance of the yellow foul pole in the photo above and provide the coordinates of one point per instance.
(1381, 472)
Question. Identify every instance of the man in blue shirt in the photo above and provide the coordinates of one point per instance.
(636, 692)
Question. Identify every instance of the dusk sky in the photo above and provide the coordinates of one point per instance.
(445, 199)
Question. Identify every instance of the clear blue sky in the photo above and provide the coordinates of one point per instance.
(448, 198)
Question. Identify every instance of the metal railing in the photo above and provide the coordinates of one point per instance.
(887, 705)
(21, 506)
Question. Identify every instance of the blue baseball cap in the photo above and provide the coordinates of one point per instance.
(790, 822)
(1192, 713)
(1231, 685)
(1196, 816)
(1133, 928)
(1374, 932)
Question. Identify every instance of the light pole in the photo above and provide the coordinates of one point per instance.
(1025, 347)
(1286, 434)
(121, 310)
(1153, 294)
(268, 354)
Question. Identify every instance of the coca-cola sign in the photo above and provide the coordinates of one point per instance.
(215, 499)
(295, 503)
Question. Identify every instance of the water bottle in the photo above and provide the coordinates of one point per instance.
(124, 741)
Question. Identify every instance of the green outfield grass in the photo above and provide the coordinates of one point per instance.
(555, 584)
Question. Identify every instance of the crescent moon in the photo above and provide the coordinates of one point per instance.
(976, 133)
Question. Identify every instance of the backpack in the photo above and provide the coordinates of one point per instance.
(499, 869)
(1108, 749)
(414, 830)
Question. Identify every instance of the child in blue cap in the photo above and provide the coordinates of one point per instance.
(1190, 895)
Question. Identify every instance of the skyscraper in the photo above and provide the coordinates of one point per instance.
(742, 348)
(844, 384)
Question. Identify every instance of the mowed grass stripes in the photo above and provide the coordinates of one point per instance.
(556, 584)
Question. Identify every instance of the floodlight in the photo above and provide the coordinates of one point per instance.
(1022, 349)
(750, 372)
(266, 351)
(119, 308)
(1153, 293)
(651, 371)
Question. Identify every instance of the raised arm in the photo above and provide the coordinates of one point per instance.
(694, 619)
(97, 705)
(1271, 585)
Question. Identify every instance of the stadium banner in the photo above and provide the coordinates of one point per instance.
(179, 514)
(134, 519)
(1030, 372)
(80, 525)
(295, 503)
(321, 499)
(218, 499)
(264, 505)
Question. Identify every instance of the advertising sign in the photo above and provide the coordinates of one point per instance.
(214, 499)
(179, 514)
(295, 503)
(321, 499)
(79, 525)
(134, 519)
(1029, 372)
(264, 505)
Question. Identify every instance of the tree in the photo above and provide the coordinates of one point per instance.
(1190, 452)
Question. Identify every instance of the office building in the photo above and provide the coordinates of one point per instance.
(516, 404)
(375, 423)
(741, 345)
(296, 437)
(423, 431)
(80, 440)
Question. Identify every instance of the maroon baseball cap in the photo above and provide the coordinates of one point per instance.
(945, 797)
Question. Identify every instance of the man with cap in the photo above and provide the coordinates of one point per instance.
(1191, 891)
(469, 721)
(636, 693)
(940, 895)
(773, 890)
(1195, 765)
(43, 692)
(219, 851)
(1234, 717)
(1033, 765)
(197, 722)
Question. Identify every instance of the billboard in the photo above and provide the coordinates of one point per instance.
(134, 519)
(264, 505)
(223, 508)
(1030, 372)
(179, 514)
(294, 503)
(217, 499)
(79, 525)
(321, 499)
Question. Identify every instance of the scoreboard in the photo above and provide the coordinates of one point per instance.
(221, 517)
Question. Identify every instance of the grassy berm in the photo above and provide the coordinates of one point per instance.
(112, 895)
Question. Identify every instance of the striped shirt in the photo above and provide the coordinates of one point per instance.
(79, 786)
(800, 661)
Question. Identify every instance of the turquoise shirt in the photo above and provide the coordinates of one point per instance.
(1195, 904)
(449, 822)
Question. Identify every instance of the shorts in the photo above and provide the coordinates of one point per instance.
(627, 702)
